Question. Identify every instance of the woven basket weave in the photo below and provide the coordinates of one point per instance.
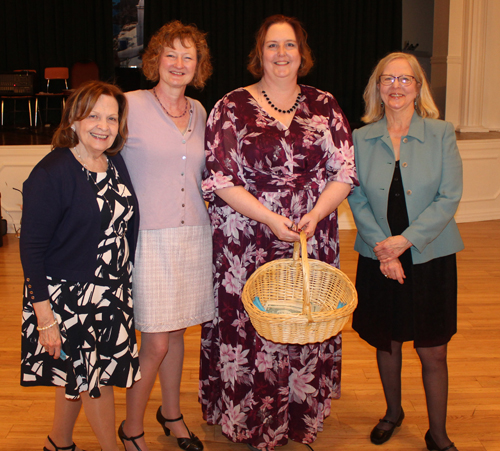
(300, 297)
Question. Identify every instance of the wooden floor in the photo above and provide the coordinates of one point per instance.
(474, 367)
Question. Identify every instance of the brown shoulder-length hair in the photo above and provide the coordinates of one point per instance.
(80, 104)
(165, 37)
(374, 110)
(255, 64)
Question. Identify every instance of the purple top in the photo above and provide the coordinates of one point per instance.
(165, 166)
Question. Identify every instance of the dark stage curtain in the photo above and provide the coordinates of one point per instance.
(347, 38)
(35, 34)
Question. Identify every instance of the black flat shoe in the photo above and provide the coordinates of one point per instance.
(58, 448)
(191, 443)
(431, 444)
(124, 438)
(379, 436)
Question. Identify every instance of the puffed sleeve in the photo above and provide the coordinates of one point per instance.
(433, 220)
(221, 150)
(40, 218)
(341, 163)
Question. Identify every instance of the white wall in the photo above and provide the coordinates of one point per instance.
(491, 99)
(16, 163)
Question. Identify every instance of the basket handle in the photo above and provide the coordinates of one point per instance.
(297, 247)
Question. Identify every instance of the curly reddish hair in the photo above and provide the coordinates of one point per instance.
(255, 64)
(165, 37)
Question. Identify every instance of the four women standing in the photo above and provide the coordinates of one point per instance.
(279, 159)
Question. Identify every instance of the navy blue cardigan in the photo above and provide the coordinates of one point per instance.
(61, 222)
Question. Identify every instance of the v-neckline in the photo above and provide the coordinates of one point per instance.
(286, 127)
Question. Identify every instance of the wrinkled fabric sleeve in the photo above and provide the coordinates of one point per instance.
(341, 165)
(41, 216)
(221, 149)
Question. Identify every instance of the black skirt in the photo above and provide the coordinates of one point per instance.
(423, 309)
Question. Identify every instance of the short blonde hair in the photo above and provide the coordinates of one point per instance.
(165, 37)
(374, 111)
(80, 104)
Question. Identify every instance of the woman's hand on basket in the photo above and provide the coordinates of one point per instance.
(50, 336)
(284, 229)
(308, 223)
(393, 270)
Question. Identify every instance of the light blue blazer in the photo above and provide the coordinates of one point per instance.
(431, 171)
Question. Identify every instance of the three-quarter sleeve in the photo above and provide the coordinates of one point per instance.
(221, 148)
(341, 162)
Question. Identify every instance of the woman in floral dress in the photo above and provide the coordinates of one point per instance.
(279, 159)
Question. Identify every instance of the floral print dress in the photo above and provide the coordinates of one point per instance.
(260, 392)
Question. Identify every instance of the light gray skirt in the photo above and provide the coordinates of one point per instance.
(172, 278)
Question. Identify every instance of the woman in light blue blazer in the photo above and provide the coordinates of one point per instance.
(410, 175)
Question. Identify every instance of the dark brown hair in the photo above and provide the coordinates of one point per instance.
(255, 63)
(165, 37)
(80, 104)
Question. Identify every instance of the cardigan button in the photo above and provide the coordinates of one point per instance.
(405, 164)
(409, 192)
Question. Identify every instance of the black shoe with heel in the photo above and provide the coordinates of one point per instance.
(124, 438)
(431, 444)
(191, 443)
(379, 436)
(58, 448)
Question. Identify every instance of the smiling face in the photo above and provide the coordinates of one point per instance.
(97, 132)
(178, 65)
(397, 97)
(281, 56)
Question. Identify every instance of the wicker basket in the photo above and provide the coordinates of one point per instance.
(300, 298)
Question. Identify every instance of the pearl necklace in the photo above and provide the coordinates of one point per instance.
(164, 109)
(295, 105)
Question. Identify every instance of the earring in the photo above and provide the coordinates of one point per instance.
(382, 104)
(415, 103)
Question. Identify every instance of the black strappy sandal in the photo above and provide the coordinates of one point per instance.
(191, 443)
(58, 448)
(123, 437)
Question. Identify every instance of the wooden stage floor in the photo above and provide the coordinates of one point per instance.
(474, 367)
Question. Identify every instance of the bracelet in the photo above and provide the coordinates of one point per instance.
(47, 327)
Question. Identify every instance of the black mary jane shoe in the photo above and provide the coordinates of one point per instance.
(58, 448)
(124, 438)
(191, 443)
(432, 446)
(379, 436)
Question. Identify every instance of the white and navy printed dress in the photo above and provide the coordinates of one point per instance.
(95, 319)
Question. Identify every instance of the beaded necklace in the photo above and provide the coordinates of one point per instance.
(295, 105)
(164, 109)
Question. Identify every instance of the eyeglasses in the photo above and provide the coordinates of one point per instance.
(405, 80)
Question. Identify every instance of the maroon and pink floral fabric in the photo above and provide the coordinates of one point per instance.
(261, 392)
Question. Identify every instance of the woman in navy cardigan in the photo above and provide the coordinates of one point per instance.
(79, 229)
(410, 175)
